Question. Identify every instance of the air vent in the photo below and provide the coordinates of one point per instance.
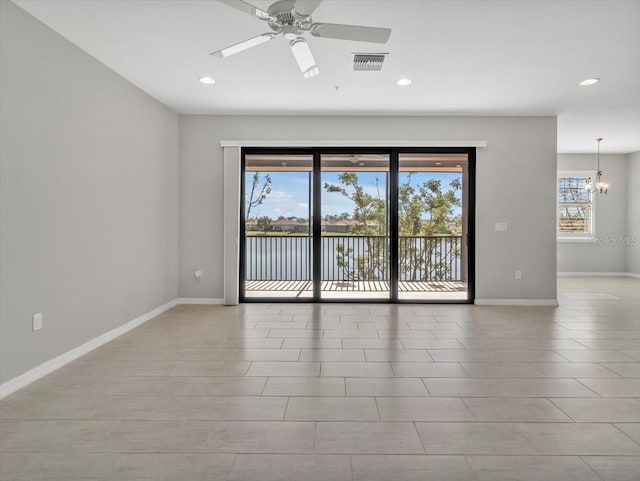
(368, 61)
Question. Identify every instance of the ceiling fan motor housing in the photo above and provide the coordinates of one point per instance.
(285, 19)
(291, 32)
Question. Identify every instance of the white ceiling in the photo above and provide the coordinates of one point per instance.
(464, 57)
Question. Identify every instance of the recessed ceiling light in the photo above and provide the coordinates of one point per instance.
(589, 81)
(404, 82)
(207, 80)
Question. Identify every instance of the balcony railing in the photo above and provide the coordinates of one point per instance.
(353, 258)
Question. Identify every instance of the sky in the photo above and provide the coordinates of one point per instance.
(290, 191)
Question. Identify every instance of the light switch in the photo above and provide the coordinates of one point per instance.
(501, 227)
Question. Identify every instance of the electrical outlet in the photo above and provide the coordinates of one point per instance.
(518, 275)
(37, 321)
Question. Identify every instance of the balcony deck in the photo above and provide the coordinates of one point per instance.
(407, 290)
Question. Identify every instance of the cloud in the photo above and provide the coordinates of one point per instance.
(280, 203)
(279, 197)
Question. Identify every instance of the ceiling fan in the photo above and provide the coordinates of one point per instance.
(292, 18)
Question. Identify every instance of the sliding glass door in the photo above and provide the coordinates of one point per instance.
(277, 241)
(433, 219)
(357, 224)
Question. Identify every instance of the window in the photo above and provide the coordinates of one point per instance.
(575, 206)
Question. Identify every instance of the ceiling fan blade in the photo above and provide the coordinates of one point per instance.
(244, 45)
(247, 8)
(305, 8)
(304, 57)
(350, 32)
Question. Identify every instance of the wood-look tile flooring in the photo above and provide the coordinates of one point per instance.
(346, 392)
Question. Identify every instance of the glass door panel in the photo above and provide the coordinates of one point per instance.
(433, 200)
(278, 242)
(354, 243)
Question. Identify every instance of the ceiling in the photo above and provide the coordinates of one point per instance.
(464, 57)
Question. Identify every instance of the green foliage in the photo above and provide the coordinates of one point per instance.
(425, 210)
(263, 223)
(428, 199)
(369, 211)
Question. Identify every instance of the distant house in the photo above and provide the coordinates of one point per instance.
(342, 226)
(289, 225)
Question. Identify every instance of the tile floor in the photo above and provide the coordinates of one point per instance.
(346, 392)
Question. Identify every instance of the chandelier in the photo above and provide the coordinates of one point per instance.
(601, 186)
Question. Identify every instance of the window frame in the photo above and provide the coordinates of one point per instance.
(576, 237)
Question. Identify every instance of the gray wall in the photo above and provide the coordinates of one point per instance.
(515, 183)
(607, 254)
(89, 196)
(633, 212)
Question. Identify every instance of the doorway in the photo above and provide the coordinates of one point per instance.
(374, 225)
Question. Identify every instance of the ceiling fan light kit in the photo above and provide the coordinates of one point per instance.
(304, 57)
(292, 19)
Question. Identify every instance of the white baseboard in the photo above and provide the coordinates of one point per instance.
(199, 300)
(57, 362)
(12, 385)
(597, 274)
(516, 302)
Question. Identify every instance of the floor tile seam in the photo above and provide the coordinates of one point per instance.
(375, 400)
(430, 356)
(279, 419)
(475, 419)
(233, 463)
(469, 373)
(562, 410)
(632, 456)
(323, 453)
(169, 396)
(315, 436)
(591, 467)
(422, 379)
(160, 420)
(351, 467)
(618, 376)
(615, 425)
(246, 371)
(590, 389)
(540, 396)
(470, 468)
(286, 408)
(417, 432)
(170, 376)
(172, 396)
